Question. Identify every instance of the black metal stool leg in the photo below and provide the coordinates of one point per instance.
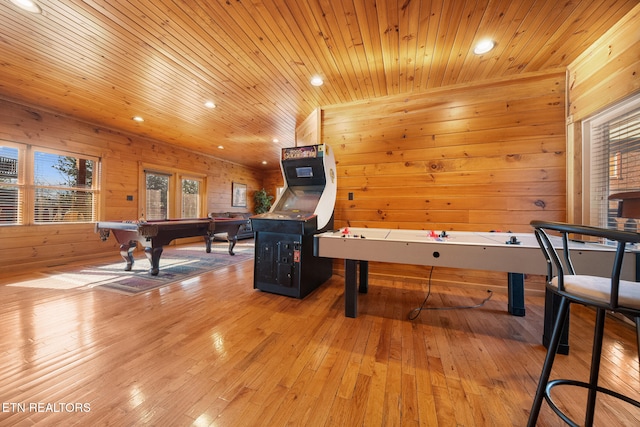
(595, 366)
(638, 333)
(563, 313)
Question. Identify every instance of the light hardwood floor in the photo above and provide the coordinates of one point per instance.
(215, 352)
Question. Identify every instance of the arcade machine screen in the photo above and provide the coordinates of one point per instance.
(299, 200)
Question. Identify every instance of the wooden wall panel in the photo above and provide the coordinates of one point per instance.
(309, 131)
(476, 157)
(41, 246)
(607, 72)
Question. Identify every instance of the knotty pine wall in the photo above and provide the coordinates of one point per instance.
(41, 246)
(607, 72)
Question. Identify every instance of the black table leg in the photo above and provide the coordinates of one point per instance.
(551, 307)
(515, 288)
(350, 285)
(364, 277)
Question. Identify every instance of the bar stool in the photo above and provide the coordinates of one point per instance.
(603, 294)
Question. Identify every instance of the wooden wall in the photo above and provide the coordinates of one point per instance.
(607, 72)
(478, 157)
(41, 246)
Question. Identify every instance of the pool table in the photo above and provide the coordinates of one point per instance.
(154, 235)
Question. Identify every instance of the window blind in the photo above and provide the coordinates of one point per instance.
(614, 164)
(10, 191)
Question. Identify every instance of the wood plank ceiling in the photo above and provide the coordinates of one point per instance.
(106, 62)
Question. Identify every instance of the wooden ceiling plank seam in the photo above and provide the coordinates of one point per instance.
(286, 48)
(55, 43)
(301, 110)
(168, 50)
(314, 56)
(210, 44)
(605, 24)
(462, 51)
(89, 76)
(277, 113)
(472, 62)
(166, 73)
(430, 12)
(168, 106)
(253, 126)
(593, 24)
(453, 46)
(358, 53)
(124, 21)
(95, 118)
(487, 29)
(559, 37)
(408, 38)
(540, 18)
(515, 15)
(316, 50)
(318, 36)
(368, 25)
(382, 46)
(53, 87)
(326, 19)
(388, 27)
(547, 23)
(298, 55)
(317, 33)
(441, 56)
(351, 39)
(370, 48)
(394, 42)
(229, 77)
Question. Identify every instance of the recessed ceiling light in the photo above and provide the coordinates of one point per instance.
(484, 46)
(138, 119)
(264, 162)
(275, 140)
(317, 81)
(28, 5)
(210, 104)
(220, 147)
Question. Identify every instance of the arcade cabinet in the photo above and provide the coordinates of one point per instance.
(284, 262)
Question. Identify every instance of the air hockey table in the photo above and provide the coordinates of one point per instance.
(514, 253)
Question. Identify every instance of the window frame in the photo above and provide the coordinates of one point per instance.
(597, 213)
(201, 208)
(174, 198)
(27, 187)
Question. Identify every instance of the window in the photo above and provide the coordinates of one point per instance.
(63, 188)
(190, 198)
(39, 186)
(171, 194)
(612, 159)
(10, 188)
(157, 197)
